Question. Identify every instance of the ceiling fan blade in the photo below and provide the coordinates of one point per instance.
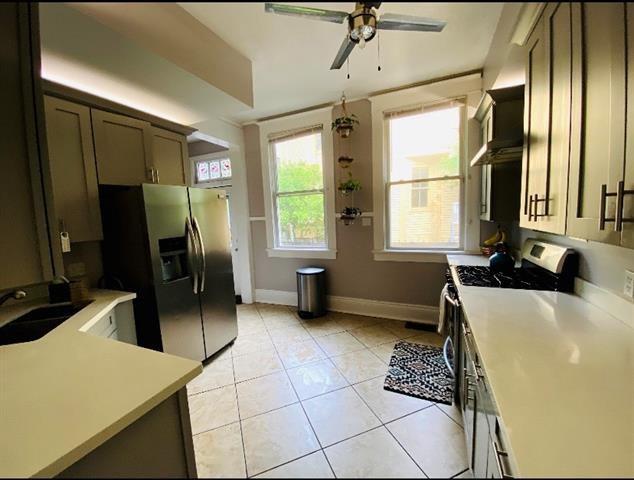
(306, 12)
(344, 50)
(371, 4)
(393, 21)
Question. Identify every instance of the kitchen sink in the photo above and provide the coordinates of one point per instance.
(37, 323)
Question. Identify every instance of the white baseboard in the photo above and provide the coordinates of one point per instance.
(607, 301)
(276, 297)
(359, 306)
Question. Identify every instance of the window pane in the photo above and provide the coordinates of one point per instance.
(298, 163)
(301, 220)
(214, 170)
(433, 225)
(430, 140)
(202, 171)
(225, 168)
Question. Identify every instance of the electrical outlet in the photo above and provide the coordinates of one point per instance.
(628, 286)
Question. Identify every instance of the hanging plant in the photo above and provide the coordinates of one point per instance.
(344, 125)
(349, 186)
(345, 161)
(350, 214)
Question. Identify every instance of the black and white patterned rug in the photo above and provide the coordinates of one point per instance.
(419, 371)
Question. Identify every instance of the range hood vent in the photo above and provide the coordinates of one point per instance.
(501, 114)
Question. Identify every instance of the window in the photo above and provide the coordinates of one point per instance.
(297, 188)
(213, 170)
(423, 198)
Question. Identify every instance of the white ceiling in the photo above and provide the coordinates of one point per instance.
(292, 56)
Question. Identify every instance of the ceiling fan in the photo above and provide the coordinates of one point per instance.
(363, 23)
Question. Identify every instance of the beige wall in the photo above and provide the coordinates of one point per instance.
(354, 273)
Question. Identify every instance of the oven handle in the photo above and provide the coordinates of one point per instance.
(453, 301)
(446, 356)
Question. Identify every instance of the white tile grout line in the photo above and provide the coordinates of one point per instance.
(300, 401)
(244, 450)
(288, 378)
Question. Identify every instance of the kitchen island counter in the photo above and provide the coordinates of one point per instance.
(64, 395)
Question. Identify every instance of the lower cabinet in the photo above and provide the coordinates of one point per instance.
(117, 324)
(481, 426)
(157, 445)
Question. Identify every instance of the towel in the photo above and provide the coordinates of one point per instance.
(441, 310)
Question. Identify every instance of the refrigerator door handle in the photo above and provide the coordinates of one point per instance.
(203, 262)
(192, 252)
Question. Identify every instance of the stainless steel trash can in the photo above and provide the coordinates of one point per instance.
(311, 292)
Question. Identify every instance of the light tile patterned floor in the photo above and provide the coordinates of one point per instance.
(305, 399)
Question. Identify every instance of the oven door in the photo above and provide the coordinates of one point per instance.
(451, 347)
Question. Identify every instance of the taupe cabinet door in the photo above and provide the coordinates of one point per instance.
(73, 169)
(123, 148)
(547, 123)
(170, 157)
(26, 256)
(598, 118)
(627, 235)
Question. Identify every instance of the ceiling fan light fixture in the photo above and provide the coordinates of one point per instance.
(362, 25)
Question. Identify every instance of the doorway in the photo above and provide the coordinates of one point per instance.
(212, 168)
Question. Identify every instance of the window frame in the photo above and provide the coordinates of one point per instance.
(211, 157)
(298, 122)
(466, 88)
(418, 190)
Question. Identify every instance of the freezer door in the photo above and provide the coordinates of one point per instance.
(209, 211)
(175, 269)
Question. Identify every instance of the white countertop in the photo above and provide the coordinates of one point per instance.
(67, 393)
(561, 373)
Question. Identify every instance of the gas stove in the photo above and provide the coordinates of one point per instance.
(473, 276)
(545, 266)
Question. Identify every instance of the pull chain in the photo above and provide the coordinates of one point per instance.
(378, 48)
(348, 66)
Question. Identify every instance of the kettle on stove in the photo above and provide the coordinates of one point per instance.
(501, 261)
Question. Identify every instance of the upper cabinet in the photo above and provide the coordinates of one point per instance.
(123, 149)
(27, 219)
(170, 157)
(73, 169)
(578, 164)
(547, 122)
(597, 160)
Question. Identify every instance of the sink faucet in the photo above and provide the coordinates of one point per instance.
(15, 294)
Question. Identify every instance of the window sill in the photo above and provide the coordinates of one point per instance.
(424, 256)
(301, 253)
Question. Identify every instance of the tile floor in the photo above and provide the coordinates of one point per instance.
(304, 399)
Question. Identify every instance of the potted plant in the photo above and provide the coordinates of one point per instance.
(344, 125)
(349, 186)
(345, 161)
(350, 214)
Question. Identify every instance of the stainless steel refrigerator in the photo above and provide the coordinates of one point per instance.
(171, 245)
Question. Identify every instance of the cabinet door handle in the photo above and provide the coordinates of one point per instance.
(620, 194)
(158, 179)
(530, 208)
(500, 453)
(604, 198)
